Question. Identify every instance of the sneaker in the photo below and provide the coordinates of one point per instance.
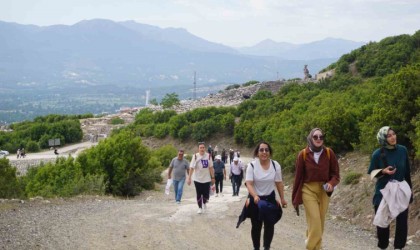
(204, 207)
(221, 194)
(178, 202)
(216, 195)
(200, 211)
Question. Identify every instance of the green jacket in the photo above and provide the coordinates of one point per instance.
(398, 158)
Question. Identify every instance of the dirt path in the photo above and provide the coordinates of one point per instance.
(154, 221)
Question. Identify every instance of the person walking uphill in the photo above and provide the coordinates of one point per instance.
(391, 167)
(201, 170)
(316, 175)
(263, 175)
(219, 174)
(179, 167)
(236, 175)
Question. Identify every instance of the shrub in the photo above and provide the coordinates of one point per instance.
(9, 184)
(117, 120)
(352, 178)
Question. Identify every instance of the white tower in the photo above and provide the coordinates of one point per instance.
(147, 97)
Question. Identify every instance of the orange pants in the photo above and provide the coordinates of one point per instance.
(315, 201)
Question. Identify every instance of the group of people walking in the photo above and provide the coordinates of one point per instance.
(317, 174)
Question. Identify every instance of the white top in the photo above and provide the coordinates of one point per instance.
(264, 180)
(396, 198)
(201, 166)
(236, 169)
(317, 155)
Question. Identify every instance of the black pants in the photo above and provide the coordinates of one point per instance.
(236, 183)
(257, 225)
(401, 231)
(203, 192)
(219, 182)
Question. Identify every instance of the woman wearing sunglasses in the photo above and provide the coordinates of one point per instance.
(316, 175)
(263, 176)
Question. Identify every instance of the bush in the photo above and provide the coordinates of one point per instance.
(63, 178)
(9, 184)
(352, 178)
(116, 121)
(32, 146)
(165, 154)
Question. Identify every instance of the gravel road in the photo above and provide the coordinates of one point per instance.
(153, 220)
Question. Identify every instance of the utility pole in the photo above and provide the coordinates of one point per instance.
(195, 86)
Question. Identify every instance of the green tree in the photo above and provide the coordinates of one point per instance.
(170, 100)
(9, 185)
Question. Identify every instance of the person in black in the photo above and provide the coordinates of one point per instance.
(224, 156)
(219, 174)
(231, 156)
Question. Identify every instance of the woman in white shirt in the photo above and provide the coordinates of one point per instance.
(202, 171)
(263, 175)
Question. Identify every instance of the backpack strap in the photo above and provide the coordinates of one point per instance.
(272, 162)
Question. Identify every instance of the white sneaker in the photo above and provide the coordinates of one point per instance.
(200, 211)
(204, 207)
(217, 195)
(221, 194)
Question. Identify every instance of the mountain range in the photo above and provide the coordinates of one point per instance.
(103, 52)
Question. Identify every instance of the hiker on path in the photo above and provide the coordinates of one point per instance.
(393, 165)
(179, 167)
(219, 174)
(263, 176)
(316, 175)
(236, 175)
(202, 171)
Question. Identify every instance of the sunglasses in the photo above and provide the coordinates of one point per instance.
(315, 137)
(267, 150)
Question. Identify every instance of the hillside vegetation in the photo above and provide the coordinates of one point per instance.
(375, 85)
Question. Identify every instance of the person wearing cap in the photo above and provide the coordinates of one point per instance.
(236, 174)
(316, 174)
(393, 160)
(202, 172)
(179, 168)
(219, 174)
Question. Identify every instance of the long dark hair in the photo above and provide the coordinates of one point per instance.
(257, 148)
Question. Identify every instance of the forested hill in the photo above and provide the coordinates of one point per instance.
(373, 86)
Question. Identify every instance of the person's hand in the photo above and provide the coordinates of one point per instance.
(329, 187)
(188, 180)
(256, 199)
(283, 203)
(390, 170)
(212, 181)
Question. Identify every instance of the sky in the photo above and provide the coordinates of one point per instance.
(235, 23)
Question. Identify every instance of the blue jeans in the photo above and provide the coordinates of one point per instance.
(178, 188)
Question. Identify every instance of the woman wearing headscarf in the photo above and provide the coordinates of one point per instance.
(390, 162)
(316, 175)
